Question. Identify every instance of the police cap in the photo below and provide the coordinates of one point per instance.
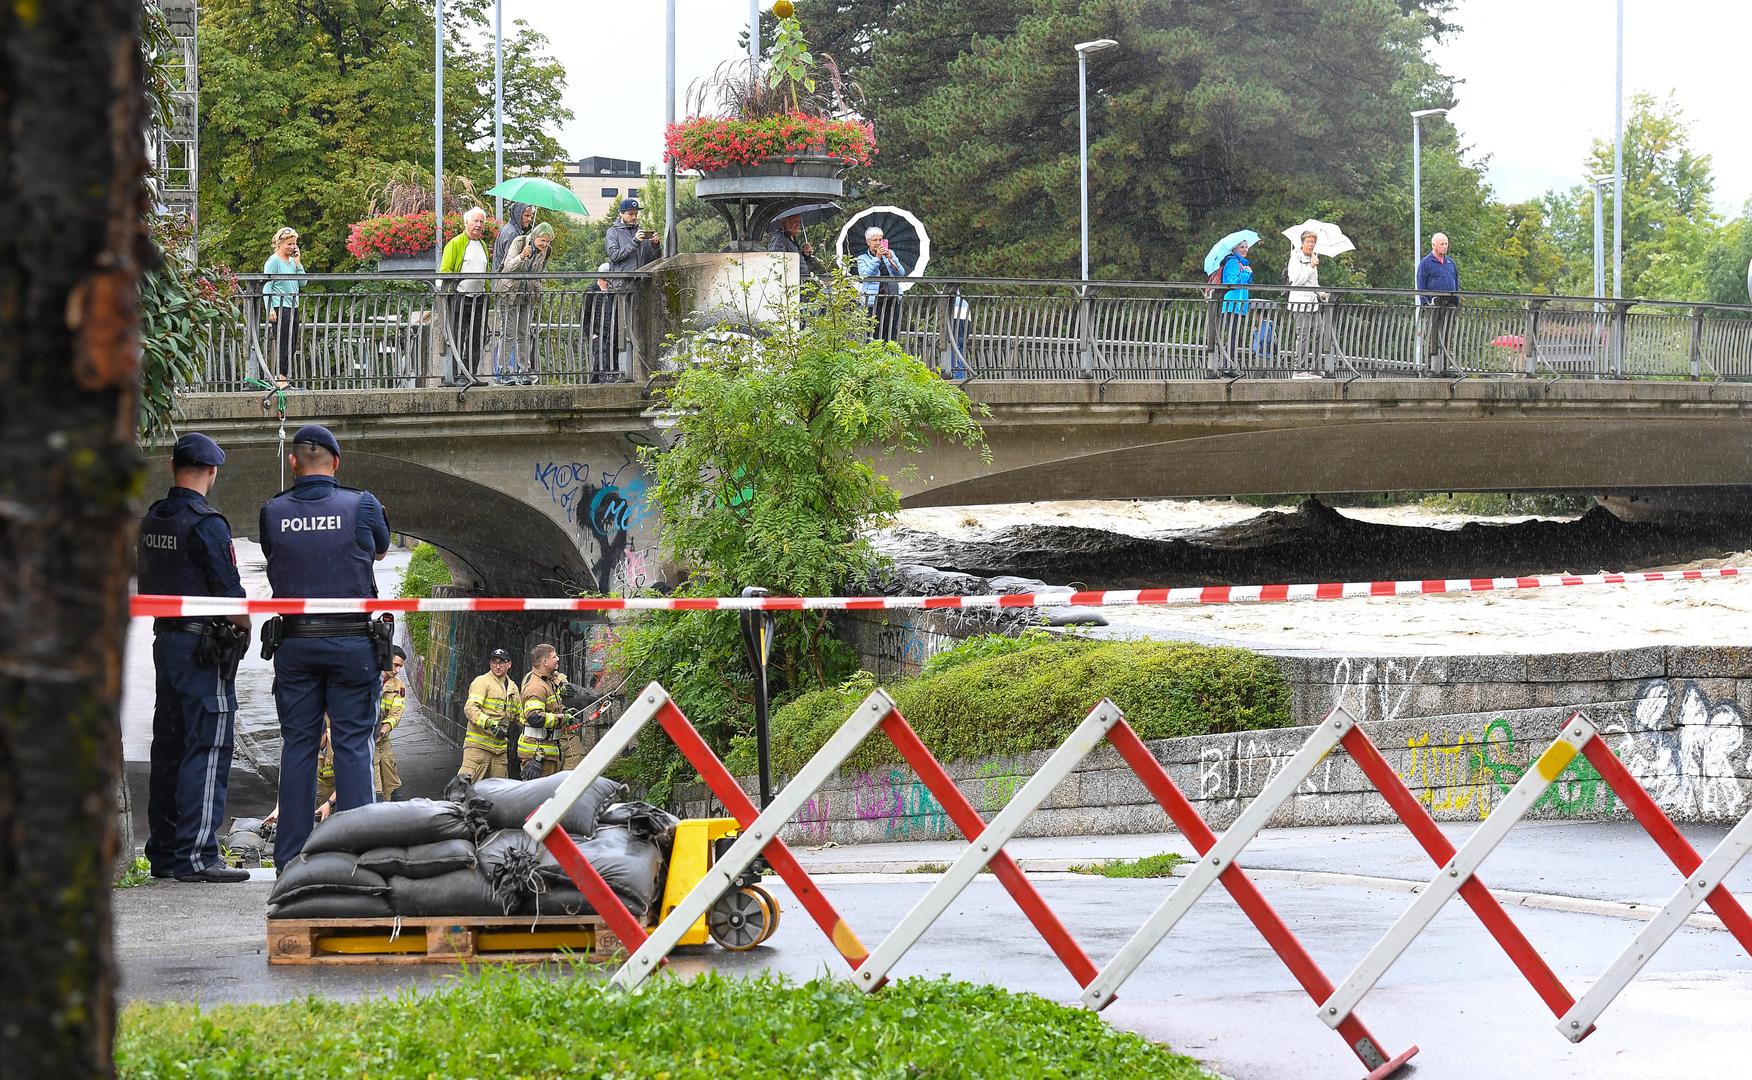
(501, 654)
(318, 435)
(196, 449)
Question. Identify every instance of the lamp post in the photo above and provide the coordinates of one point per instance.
(1083, 51)
(669, 233)
(1417, 189)
(499, 107)
(438, 132)
(1598, 182)
(1618, 168)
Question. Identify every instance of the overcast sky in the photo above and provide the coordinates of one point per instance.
(1536, 77)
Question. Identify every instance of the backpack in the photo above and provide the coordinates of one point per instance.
(1215, 277)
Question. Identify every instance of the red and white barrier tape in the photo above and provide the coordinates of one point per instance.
(189, 606)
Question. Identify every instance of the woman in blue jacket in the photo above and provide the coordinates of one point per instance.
(1236, 270)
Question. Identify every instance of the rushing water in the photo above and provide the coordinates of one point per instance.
(256, 759)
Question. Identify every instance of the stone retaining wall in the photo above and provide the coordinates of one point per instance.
(1677, 717)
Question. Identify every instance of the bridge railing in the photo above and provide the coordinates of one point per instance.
(388, 330)
(1004, 329)
(410, 329)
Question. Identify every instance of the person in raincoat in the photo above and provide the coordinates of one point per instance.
(1235, 270)
(518, 299)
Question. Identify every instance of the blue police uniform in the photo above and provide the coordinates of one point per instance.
(320, 540)
(185, 550)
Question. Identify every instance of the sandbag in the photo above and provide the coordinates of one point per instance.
(255, 825)
(333, 906)
(631, 865)
(556, 900)
(645, 821)
(328, 872)
(395, 824)
(514, 800)
(460, 892)
(421, 860)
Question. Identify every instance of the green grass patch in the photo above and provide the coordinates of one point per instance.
(139, 872)
(942, 868)
(993, 696)
(1150, 866)
(425, 570)
(501, 1023)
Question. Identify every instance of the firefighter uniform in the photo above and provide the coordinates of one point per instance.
(321, 539)
(389, 713)
(492, 710)
(185, 549)
(325, 768)
(543, 718)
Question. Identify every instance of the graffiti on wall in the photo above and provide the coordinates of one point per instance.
(610, 508)
(1375, 689)
(1686, 751)
(904, 805)
(1239, 769)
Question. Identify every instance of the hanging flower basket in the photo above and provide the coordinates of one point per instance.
(717, 145)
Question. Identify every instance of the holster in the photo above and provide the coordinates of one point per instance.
(383, 640)
(273, 633)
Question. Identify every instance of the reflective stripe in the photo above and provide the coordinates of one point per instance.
(476, 737)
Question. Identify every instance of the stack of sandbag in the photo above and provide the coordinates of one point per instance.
(351, 859)
(247, 842)
(526, 878)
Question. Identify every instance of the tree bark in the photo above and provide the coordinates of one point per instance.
(71, 158)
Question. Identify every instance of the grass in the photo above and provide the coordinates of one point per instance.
(1150, 866)
(139, 872)
(995, 695)
(942, 868)
(502, 1023)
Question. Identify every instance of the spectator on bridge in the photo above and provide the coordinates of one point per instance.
(519, 219)
(599, 327)
(1438, 286)
(468, 253)
(280, 296)
(789, 238)
(1236, 270)
(629, 246)
(518, 300)
(881, 296)
(1302, 275)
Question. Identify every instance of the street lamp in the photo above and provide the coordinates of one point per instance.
(1417, 188)
(1083, 51)
(1598, 182)
(438, 132)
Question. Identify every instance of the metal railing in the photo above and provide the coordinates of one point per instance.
(406, 330)
(375, 331)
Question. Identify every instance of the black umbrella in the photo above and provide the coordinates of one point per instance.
(814, 213)
(905, 234)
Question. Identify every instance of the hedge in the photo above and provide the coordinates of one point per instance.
(425, 569)
(992, 696)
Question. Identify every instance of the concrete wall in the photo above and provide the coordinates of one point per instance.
(1676, 717)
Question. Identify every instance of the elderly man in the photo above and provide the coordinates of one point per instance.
(789, 238)
(468, 253)
(1438, 286)
(630, 247)
(881, 296)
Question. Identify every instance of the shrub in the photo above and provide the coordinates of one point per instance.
(425, 570)
(979, 700)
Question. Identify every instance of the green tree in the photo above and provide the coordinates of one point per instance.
(769, 482)
(1724, 269)
(306, 106)
(1207, 118)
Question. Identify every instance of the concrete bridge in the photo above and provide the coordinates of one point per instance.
(532, 488)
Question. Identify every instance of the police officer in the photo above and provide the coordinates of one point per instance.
(320, 540)
(185, 550)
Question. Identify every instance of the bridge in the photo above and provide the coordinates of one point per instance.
(1100, 395)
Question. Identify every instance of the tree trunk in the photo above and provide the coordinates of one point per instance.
(71, 158)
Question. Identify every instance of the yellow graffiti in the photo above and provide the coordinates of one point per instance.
(1447, 778)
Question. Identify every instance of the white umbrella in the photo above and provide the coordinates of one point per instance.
(1329, 238)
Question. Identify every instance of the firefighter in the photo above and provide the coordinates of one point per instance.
(538, 748)
(492, 708)
(389, 714)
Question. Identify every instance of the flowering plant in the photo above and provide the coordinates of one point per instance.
(709, 142)
(403, 234)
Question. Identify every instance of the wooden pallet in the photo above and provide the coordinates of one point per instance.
(446, 940)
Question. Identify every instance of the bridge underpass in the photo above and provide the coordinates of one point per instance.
(539, 488)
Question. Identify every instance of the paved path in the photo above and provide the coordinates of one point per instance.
(1212, 989)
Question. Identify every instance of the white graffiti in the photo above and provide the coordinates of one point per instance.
(1683, 753)
(1374, 690)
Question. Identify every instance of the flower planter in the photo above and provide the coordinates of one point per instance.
(424, 260)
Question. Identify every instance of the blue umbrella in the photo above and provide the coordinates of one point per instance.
(1226, 245)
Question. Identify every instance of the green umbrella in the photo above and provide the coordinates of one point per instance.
(538, 192)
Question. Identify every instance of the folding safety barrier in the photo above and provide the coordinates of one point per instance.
(1217, 863)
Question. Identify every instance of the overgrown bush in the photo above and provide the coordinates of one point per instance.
(981, 700)
(425, 570)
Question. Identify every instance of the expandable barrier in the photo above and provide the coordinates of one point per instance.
(1337, 1005)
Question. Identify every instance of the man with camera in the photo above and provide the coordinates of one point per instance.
(629, 246)
(493, 706)
(185, 550)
